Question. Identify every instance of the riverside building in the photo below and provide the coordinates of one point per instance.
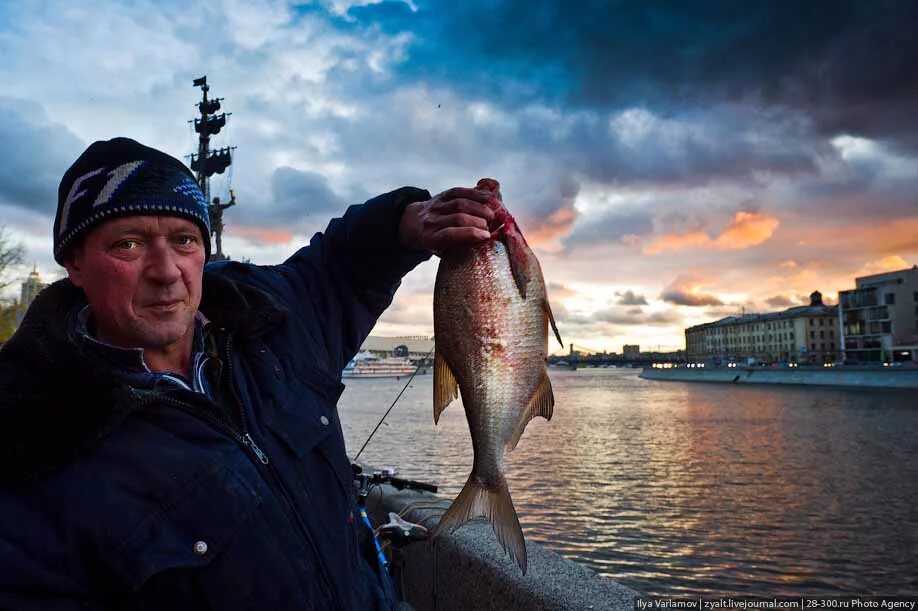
(879, 318)
(803, 334)
(415, 347)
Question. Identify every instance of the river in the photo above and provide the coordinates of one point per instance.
(676, 488)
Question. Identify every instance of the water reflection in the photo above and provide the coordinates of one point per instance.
(675, 488)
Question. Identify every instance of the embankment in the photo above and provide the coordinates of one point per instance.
(467, 569)
(860, 377)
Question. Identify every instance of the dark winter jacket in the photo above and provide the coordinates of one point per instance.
(114, 498)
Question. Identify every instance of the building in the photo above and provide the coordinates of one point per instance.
(415, 347)
(802, 334)
(631, 351)
(29, 290)
(879, 318)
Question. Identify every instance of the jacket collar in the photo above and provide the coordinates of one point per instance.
(55, 399)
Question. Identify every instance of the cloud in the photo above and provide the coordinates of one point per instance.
(748, 229)
(38, 151)
(685, 290)
(847, 65)
(630, 298)
(684, 298)
(886, 264)
(780, 301)
(558, 290)
(298, 193)
(635, 316)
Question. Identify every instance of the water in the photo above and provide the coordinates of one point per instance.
(689, 489)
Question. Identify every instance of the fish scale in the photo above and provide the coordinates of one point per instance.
(491, 318)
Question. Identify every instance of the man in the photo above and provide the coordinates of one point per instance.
(170, 433)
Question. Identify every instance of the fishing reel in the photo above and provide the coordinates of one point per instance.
(386, 476)
(397, 531)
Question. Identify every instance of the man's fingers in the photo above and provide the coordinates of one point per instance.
(459, 220)
(452, 237)
(466, 206)
(464, 193)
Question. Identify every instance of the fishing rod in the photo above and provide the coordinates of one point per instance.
(405, 387)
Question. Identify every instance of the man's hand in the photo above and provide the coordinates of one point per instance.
(456, 217)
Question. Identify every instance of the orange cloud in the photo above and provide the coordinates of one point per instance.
(559, 290)
(886, 264)
(748, 229)
(265, 235)
(546, 234)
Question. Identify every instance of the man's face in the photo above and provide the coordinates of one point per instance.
(142, 277)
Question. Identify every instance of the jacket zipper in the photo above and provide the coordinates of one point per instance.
(248, 443)
(263, 458)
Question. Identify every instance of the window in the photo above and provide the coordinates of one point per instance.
(812, 335)
(915, 296)
(887, 327)
(812, 346)
(822, 335)
(820, 322)
(889, 299)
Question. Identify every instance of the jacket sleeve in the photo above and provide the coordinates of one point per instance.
(337, 286)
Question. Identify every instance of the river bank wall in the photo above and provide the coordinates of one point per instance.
(468, 569)
(858, 377)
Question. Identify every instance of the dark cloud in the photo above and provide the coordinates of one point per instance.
(685, 298)
(630, 298)
(849, 65)
(610, 226)
(635, 316)
(779, 301)
(37, 152)
(298, 194)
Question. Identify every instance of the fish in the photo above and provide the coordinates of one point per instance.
(491, 317)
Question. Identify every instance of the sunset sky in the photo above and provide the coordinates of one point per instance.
(671, 162)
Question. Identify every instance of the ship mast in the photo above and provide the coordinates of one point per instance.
(206, 162)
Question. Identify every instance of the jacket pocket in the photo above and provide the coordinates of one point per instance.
(308, 422)
(189, 531)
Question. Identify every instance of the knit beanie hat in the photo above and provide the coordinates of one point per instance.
(121, 177)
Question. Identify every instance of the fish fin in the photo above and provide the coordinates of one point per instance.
(551, 318)
(494, 504)
(446, 389)
(542, 404)
(519, 260)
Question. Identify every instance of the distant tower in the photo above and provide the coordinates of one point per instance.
(206, 162)
(30, 289)
(816, 298)
(28, 292)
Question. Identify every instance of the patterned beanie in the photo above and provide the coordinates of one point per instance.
(121, 177)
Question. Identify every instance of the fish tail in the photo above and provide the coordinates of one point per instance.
(495, 504)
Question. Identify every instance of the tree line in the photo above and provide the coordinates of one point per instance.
(10, 255)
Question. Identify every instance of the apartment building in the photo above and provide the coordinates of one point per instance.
(879, 318)
(802, 334)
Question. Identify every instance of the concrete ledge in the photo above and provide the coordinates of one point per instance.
(468, 569)
(879, 377)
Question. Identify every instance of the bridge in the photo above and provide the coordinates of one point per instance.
(585, 357)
